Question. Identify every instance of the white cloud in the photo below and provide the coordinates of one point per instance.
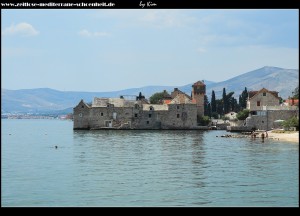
(23, 29)
(86, 33)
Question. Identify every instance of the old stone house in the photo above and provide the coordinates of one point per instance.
(258, 99)
(265, 110)
(177, 111)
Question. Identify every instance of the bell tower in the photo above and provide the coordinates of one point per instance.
(198, 92)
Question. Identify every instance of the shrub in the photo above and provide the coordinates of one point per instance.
(291, 122)
(242, 115)
(203, 120)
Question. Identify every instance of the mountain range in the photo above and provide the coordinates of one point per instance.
(46, 100)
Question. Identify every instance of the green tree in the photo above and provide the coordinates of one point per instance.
(234, 106)
(230, 102)
(291, 122)
(209, 110)
(296, 93)
(243, 99)
(280, 100)
(156, 98)
(206, 109)
(213, 102)
(242, 115)
(220, 107)
(215, 115)
(225, 102)
(203, 120)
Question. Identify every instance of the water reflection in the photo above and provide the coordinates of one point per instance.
(169, 164)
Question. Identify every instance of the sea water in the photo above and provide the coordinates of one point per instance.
(142, 167)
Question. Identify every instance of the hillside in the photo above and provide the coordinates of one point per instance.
(276, 79)
(45, 100)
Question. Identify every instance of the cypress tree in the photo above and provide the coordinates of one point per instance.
(205, 105)
(213, 102)
(225, 102)
(209, 110)
(243, 99)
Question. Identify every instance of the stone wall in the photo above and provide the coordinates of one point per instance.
(81, 116)
(177, 116)
(180, 116)
(266, 121)
(200, 104)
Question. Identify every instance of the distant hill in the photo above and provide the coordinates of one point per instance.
(272, 78)
(45, 100)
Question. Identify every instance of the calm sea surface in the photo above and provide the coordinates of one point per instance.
(142, 168)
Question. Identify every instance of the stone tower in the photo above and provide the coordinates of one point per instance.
(198, 92)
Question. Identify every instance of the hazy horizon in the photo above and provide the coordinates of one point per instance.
(111, 50)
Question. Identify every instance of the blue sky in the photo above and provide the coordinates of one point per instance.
(107, 50)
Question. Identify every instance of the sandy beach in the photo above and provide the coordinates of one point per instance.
(290, 137)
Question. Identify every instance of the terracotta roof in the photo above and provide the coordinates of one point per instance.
(181, 99)
(166, 101)
(292, 101)
(180, 92)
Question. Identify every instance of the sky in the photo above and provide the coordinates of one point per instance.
(107, 50)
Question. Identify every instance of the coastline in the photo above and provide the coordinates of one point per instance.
(289, 137)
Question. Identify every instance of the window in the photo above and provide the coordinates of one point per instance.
(151, 108)
(80, 114)
(262, 122)
(258, 103)
(135, 115)
(264, 94)
(178, 115)
(82, 106)
(101, 114)
(147, 122)
(177, 107)
(150, 115)
(136, 106)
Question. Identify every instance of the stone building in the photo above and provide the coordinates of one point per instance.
(177, 111)
(265, 110)
(258, 99)
(198, 93)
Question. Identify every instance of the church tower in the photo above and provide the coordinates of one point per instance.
(198, 92)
